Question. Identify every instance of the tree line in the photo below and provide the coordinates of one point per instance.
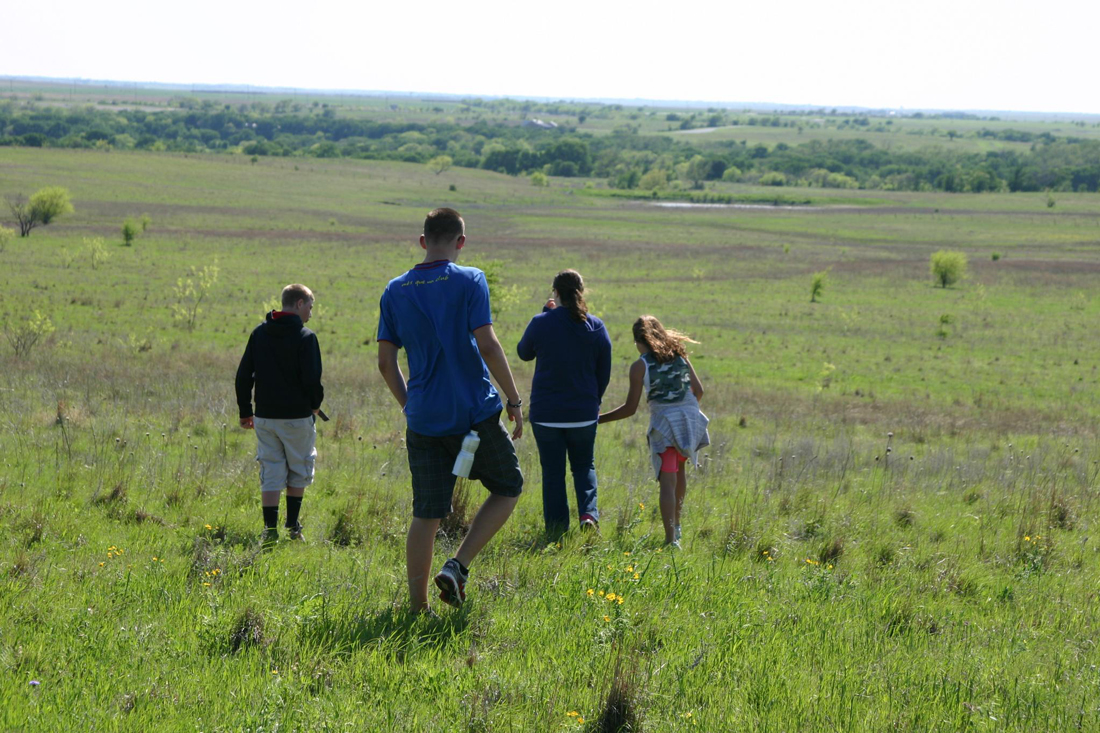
(625, 157)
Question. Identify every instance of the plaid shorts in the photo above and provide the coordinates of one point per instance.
(432, 458)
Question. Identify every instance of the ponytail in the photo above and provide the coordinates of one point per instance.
(570, 287)
(664, 344)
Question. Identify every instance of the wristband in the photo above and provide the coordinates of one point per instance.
(513, 406)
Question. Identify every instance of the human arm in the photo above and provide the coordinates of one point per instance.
(633, 395)
(696, 385)
(493, 354)
(391, 372)
(310, 370)
(525, 349)
(246, 378)
(603, 364)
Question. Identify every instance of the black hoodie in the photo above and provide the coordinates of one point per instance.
(283, 360)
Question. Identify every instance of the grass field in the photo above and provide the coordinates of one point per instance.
(891, 531)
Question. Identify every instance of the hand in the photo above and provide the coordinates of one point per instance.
(551, 304)
(318, 410)
(515, 414)
(246, 423)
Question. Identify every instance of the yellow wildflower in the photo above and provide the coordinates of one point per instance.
(637, 577)
(102, 564)
(154, 558)
(590, 591)
(1027, 538)
(630, 568)
(206, 584)
(607, 618)
(572, 713)
(627, 553)
(274, 671)
(601, 594)
(620, 600)
(641, 505)
(580, 720)
(209, 527)
(610, 596)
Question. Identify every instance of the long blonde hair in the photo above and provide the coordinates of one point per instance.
(664, 343)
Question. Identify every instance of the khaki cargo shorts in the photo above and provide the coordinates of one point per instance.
(286, 451)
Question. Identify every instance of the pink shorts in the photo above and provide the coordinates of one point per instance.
(671, 460)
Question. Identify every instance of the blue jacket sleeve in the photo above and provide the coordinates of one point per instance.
(603, 363)
(526, 346)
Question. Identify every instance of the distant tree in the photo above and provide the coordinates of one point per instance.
(731, 174)
(43, 207)
(948, 267)
(539, 179)
(129, 232)
(773, 178)
(145, 222)
(440, 164)
(696, 170)
(656, 179)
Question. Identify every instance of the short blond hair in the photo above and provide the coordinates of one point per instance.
(295, 292)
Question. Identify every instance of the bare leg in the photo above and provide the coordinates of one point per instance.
(681, 491)
(668, 504)
(418, 560)
(489, 519)
(270, 498)
(291, 491)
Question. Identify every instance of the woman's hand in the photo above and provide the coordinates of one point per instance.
(551, 304)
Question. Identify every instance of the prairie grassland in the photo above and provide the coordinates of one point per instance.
(892, 529)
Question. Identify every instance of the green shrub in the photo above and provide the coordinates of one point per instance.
(540, 179)
(948, 267)
(732, 174)
(773, 178)
(817, 286)
(129, 232)
(24, 335)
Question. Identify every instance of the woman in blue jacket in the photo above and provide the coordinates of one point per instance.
(572, 368)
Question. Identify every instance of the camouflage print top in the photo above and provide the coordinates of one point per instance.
(668, 382)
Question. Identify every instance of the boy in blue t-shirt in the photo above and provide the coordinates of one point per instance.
(439, 313)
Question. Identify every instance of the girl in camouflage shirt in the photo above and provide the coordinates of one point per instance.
(677, 427)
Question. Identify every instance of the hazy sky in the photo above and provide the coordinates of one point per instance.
(958, 54)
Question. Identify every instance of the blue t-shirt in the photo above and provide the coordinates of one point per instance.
(432, 311)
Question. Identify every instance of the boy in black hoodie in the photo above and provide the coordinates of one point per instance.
(283, 361)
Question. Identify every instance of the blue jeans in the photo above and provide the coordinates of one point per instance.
(554, 445)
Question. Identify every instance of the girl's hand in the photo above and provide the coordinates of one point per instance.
(551, 304)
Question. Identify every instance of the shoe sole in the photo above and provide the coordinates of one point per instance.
(448, 591)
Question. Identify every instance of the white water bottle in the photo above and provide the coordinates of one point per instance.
(465, 459)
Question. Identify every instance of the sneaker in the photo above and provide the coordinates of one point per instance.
(589, 522)
(269, 538)
(451, 582)
(676, 534)
(296, 532)
(675, 545)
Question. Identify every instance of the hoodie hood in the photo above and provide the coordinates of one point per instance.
(286, 325)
